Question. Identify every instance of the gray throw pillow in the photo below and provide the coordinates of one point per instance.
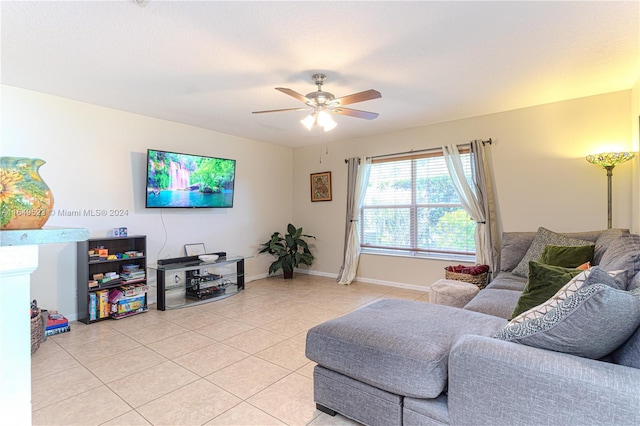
(614, 279)
(604, 241)
(543, 238)
(623, 253)
(592, 322)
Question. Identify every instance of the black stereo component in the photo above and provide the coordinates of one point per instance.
(187, 259)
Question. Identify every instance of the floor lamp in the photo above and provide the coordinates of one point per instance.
(608, 161)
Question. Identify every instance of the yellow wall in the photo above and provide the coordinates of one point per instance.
(541, 176)
(95, 159)
(635, 164)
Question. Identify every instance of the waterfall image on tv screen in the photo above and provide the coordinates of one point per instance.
(188, 181)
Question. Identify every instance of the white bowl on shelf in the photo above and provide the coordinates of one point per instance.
(208, 257)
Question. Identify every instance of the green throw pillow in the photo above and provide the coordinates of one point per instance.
(544, 282)
(567, 256)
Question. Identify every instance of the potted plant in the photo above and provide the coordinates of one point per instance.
(290, 249)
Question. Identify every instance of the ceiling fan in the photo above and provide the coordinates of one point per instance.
(322, 103)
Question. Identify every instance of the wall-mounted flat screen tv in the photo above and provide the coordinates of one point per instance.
(176, 180)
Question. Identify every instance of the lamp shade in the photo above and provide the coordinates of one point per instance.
(308, 121)
(320, 118)
(325, 121)
(610, 159)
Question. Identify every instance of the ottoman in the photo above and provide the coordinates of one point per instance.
(370, 359)
(452, 293)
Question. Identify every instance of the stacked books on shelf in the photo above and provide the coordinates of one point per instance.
(56, 323)
(132, 273)
(103, 278)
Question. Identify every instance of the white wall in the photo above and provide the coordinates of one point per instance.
(541, 176)
(96, 158)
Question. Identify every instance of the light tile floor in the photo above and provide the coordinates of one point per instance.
(234, 361)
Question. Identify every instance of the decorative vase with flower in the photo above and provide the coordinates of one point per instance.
(26, 202)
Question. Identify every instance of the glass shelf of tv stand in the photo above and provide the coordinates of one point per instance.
(214, 280)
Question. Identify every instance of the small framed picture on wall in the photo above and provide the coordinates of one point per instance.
(321, 186)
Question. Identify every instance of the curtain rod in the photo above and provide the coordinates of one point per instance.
(419, 151)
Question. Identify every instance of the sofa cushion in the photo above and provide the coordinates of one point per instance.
(628, 353)
(567, 256)
(432, 411)
(508, 281)
(494, 301)
(399, 346)
(514, 247)
(634, 283)
(592, 322)
(353, 398)
(543, 238)
(544, 282)
(604, 241)
(623, 253)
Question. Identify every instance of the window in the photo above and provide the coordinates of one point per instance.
(411, 207)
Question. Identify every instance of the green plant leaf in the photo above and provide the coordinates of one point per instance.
(290, 249)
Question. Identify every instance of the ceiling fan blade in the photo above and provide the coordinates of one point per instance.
(294, 94)
(280, 110)
(357, 97)
(355, 113)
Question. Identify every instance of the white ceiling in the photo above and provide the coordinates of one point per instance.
(210, 64)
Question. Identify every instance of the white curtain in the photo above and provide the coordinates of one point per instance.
(470, 201)
(352, 250)
(486, 198)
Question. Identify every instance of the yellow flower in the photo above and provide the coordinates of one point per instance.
(8, 181)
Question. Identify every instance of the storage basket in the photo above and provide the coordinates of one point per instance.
(480, 280)
(37, 331)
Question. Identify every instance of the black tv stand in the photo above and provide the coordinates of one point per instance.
(181, 284)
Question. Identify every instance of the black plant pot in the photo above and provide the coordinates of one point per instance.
(288, 275)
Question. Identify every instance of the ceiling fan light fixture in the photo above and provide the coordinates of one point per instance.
(308, 121)
(325, 121)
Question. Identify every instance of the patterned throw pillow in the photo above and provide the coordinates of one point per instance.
(543, 238)
(588, 320)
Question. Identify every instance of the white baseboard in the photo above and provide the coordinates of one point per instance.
(368, 280)
(393, 284)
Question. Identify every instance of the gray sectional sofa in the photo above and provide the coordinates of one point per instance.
(399, 362)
